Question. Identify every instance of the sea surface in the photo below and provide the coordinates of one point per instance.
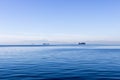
(60, 63)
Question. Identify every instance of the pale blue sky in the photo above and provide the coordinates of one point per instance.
(60, 20)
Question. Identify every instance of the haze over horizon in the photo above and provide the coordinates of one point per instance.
(93, 21)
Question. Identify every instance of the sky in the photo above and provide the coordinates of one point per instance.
(59, 20)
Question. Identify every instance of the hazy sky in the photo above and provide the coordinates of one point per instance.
(60, 20)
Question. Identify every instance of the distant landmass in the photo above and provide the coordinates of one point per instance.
(43, 44)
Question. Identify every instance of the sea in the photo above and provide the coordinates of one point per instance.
(83, 62)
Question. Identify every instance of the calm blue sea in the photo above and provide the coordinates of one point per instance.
(60, 63)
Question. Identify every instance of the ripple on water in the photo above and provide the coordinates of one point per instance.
(57, 63)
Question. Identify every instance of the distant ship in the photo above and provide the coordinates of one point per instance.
(45, 44)
(81, 43)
